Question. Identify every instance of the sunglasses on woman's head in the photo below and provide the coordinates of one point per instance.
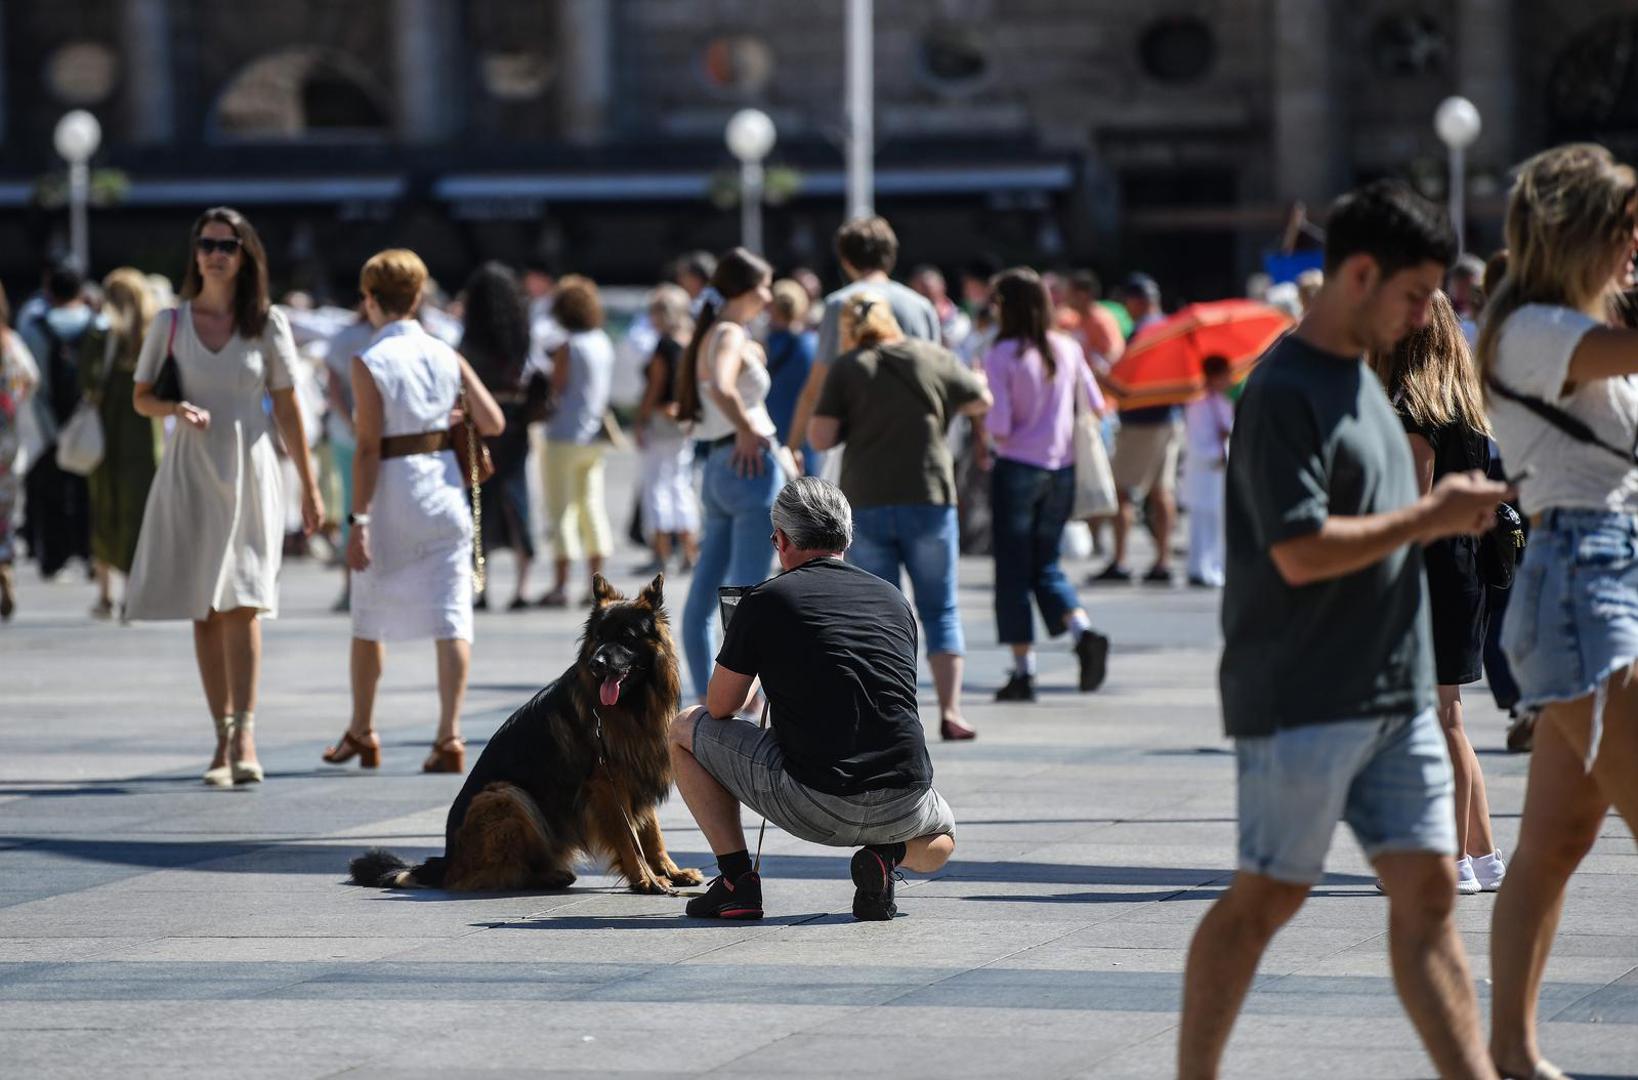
(210, 246)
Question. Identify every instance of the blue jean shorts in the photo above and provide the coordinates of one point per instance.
(1389, 778)
(1572, 620)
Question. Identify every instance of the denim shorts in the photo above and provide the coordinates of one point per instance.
(1572, 620)
(747, 761)
(1389, 778)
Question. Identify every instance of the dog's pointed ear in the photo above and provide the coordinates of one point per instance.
(603, 594)
(653, 597)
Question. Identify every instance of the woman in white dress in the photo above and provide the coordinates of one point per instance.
(213, 528)
(410, 545)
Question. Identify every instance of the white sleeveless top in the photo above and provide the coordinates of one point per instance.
(752, 384)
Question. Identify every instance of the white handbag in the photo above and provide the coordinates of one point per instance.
(80, 442)
(1094, 479)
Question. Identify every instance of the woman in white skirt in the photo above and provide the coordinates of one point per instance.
(410, 545)
(670, 508)
(213, 526)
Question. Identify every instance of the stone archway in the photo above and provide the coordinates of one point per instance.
(297, 94)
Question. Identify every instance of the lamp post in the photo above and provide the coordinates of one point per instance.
(77, 137)
(750, 136)
(861, 123)
(1457, 123)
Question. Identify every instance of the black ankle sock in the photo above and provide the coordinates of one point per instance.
(893, 853)
(734, 864)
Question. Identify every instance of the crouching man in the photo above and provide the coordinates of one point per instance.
(843, 761)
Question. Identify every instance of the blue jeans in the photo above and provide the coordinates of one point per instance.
(921, 539)
(734, 550)
(1030, 506)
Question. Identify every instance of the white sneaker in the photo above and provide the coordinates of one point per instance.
(1490, 870)
(1467, 882)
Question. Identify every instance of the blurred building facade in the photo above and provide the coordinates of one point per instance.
(1173, 136)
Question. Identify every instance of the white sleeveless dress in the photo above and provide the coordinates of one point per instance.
(213, 528)
(419, 583)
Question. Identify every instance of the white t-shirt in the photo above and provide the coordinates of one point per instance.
(1533, 359)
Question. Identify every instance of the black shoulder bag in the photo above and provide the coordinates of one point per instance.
(168, 383)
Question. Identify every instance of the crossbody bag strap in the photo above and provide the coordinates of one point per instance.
(1572, 426)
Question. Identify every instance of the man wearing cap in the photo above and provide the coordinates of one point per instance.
(1146, 452)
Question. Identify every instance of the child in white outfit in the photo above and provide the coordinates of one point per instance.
(1207, 424)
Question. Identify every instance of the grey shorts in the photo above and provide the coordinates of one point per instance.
(1388, 778)
(748, 762)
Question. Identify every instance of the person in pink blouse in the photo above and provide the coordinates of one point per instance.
(1037, 377)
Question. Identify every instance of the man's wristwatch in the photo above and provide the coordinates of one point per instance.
(358, 519)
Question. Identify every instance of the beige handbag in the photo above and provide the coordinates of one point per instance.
(1094, 478)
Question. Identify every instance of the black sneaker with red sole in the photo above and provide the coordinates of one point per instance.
(739, 899)
(873, 877)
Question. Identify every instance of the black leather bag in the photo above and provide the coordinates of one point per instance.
(1501, 549)
(168, 383)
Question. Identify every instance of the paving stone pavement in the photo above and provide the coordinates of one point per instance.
(152, 927)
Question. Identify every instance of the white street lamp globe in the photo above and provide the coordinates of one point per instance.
(77, 137)
(750, 135)
(1457, 122)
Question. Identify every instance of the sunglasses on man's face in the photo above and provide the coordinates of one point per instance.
(211, 246)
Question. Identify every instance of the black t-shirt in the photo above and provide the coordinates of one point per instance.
(1452, 563)
(668, 353)
(1315, 437)
(835, 647)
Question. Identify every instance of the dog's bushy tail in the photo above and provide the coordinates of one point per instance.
(381, 869)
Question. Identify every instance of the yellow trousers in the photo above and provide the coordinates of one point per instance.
(574, 501)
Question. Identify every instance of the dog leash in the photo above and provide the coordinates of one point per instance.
(631, 827)
(762, 830)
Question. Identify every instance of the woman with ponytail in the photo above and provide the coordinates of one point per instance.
(721, 385)
(1038, 377)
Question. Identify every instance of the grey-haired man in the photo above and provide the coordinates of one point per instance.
(843, 761)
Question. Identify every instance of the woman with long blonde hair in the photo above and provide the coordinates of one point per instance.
(119, 486)
(1433, 384)
(1565, 412)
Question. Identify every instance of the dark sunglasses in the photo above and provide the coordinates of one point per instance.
(210, 245)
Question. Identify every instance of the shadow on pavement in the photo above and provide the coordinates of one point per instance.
(331, 858)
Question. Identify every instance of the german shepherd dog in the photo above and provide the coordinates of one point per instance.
(582, 767)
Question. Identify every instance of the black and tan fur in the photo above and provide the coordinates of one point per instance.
(566, 774)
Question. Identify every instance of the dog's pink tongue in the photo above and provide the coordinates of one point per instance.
(610, 692)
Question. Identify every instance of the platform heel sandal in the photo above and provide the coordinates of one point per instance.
(367, 750)
(222, 775)
(245, 772)
(448, 756)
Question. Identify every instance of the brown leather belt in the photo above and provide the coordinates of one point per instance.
(428, 442)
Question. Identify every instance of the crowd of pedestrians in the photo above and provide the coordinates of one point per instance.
(1347, 504)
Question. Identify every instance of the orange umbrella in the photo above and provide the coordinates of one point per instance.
(1163, 364)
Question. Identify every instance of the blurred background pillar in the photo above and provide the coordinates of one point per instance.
(4, 74)
(861, 119)
(1487, 74)
(149, 76)
(426, 62)
(588, 70)
(1310, 116)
